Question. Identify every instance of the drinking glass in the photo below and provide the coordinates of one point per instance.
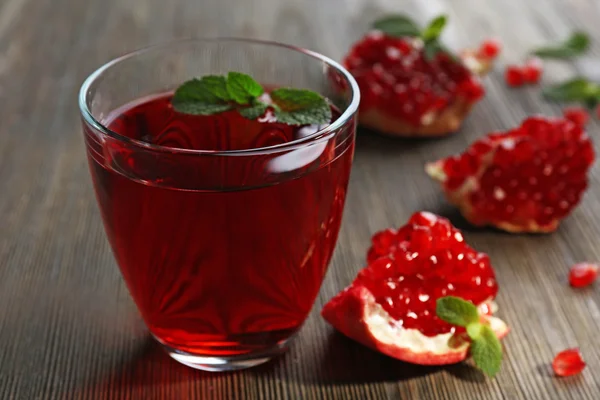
(223, 252)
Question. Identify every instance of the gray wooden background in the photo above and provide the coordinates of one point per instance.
(68, 328)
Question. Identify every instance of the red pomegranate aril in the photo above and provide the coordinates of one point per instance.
(583, 274)
(490, 48)
(568, 362)
(532, 71)
(514, 76)
(577, 115)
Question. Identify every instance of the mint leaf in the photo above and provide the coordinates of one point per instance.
(198, 90)
(254, 111)
(578, 89)
(300, 107)
(217, 85)
(199, 97)
(398, 26)
(434, 29)
(456, 311)
(243, 88)
(577, 44)
(487, 351)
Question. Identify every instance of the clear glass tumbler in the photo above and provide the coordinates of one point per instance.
(223, 252)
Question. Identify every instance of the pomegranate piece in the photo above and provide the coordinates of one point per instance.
(490, 48)
(524, 180)
(406, 93)
(532, 71)
(514, 76)
(391, 305)
(568, 362)
(583, 274)
(577, 115)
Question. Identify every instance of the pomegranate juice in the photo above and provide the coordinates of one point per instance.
(223, 255)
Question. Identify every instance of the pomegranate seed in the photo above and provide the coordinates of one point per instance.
(577, 115)
(490, 48)
(514, 76)
(568, 362)
(532, 71)
(583, 274)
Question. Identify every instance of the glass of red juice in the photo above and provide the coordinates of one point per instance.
(222, 226)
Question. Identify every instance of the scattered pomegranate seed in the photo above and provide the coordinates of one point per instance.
(568, 362)
(490, 48)
(514, 76)
(583, 274)
(577, 115)
(532, 71)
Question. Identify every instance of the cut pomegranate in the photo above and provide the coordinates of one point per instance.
(532, 71)
(490, 48)
(405, 93)
(391, 305)
(523, 180)
(568, 362)
(577, 115)
(514, 76)
(583, 274)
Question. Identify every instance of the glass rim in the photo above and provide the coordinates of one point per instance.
(321, 134)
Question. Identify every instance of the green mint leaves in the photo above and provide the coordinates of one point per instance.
(398, 26)
(401, 26)
(213, 94)
(574, 90)
(434, 29)
(300, 107)
(575, 45)
(485, 346)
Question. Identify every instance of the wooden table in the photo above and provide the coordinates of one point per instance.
(68, 328)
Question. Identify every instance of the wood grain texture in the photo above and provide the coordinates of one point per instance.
(68, 328)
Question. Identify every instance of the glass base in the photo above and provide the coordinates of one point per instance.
(221, 364)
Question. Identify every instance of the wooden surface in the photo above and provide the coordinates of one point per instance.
(68, 328)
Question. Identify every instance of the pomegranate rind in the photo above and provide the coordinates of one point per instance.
(356, 314)
(442, 124)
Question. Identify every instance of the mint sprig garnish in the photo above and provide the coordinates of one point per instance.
(213, 94)
(576, 90)
(486, 349)
(577, 44)
(400, 25)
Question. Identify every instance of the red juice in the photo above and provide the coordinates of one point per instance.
(223, 255)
